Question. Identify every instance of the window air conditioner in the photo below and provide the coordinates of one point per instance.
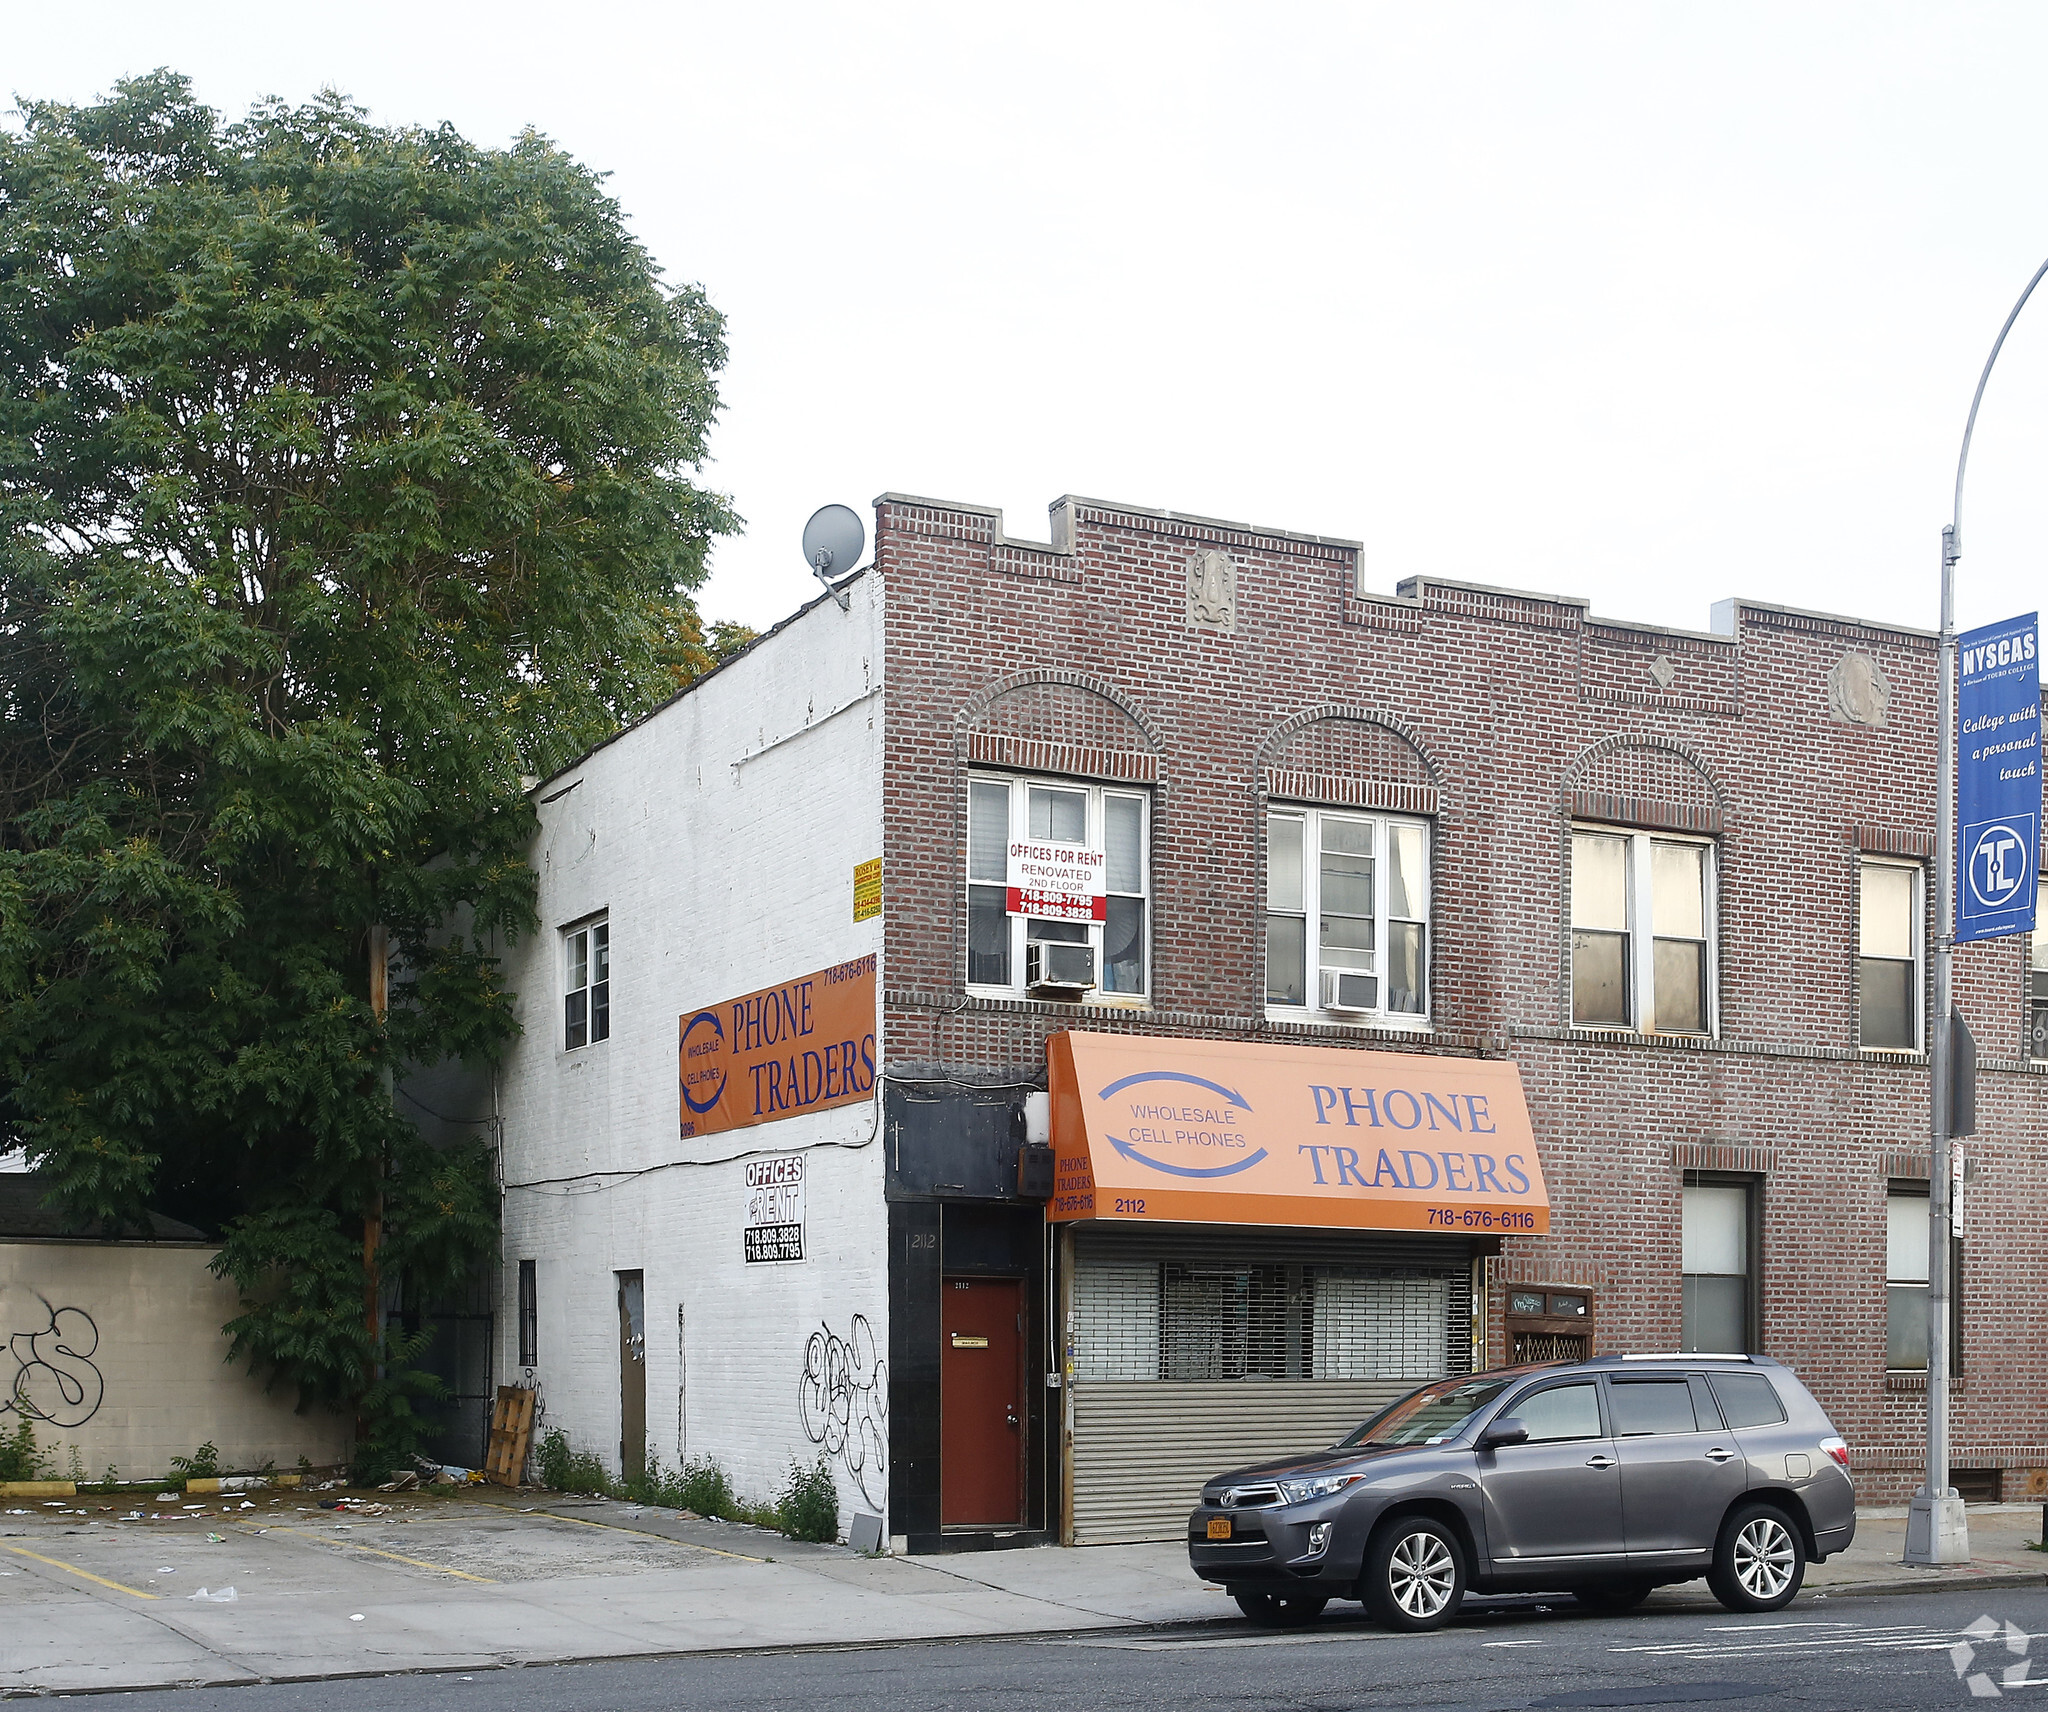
(1348, 990)
(1056, 966)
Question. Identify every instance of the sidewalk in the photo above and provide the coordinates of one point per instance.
(90, 1601)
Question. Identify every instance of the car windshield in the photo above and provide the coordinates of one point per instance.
(1431, 1415)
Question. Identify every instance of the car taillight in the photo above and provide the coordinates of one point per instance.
(1837, 1448)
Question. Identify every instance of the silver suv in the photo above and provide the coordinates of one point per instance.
(1602, 1478)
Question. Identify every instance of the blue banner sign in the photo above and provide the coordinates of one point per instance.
(1998, 779)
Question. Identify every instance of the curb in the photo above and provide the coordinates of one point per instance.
(1943, 1582)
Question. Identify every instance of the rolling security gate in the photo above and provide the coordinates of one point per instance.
(1200, 1350)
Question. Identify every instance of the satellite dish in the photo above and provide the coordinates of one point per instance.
(833, 540)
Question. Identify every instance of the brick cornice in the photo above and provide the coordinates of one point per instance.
(1292, 785)
(1723, 1156)
(1892, 841)
(1080, 760)
(1644, 811)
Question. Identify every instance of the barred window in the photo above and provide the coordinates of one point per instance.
(1188, 1320)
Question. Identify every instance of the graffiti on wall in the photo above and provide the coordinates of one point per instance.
(843, 1401)
(47, 1373)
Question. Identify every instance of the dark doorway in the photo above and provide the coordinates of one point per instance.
(981, 1428)
(632, 1376)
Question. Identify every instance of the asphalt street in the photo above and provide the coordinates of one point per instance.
(1854, 1654)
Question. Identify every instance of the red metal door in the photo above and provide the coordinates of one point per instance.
(981, 1427)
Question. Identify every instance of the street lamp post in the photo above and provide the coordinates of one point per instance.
(1937, 1529)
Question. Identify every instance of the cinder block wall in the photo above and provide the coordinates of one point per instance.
(117, 1352)
(1509, 714)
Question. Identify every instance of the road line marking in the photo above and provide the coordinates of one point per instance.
(352, 1545)
(86, 1574)
(646, 1534)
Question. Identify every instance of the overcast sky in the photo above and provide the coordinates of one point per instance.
(1651, 303)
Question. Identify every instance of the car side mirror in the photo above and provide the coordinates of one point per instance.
(1506, 1431)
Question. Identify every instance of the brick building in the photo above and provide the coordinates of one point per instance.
(1677, 878)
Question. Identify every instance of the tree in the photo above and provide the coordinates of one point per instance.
(345, 478)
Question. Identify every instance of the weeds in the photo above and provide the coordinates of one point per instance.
(19, 1458)
(202, 1464)
(699, 1485)
(809, 1504)
(567, 1470)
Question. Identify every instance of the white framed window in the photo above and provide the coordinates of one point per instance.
(1888, 938)
(1347, 915)
(1718, 1271)
(586, 984)
(1642, 932)
(1113, 822)
(1907, 1230)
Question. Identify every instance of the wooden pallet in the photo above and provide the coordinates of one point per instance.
(511, 1435)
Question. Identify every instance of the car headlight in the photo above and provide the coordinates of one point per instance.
(1301, 1491)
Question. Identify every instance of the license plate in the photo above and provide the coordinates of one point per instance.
(1219, 1527)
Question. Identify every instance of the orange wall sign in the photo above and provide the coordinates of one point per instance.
(1238, 1132)
(805, 1046)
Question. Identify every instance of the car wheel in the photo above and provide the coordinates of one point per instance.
(1414, 1574)
(1760, 1561)
(1613, 1597)
(1279, 1612)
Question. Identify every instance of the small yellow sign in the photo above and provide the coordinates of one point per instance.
(867, 889)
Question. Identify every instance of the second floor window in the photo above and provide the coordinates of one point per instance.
(1347, 914)
(1642, 938)
(2037, 980)
(587, 984)
(1109, 823)
(1888, 955)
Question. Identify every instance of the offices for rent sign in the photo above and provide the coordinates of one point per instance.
(1998, 778)
(1057, 882)
(775, 1209)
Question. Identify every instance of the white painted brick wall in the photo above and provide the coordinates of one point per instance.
(721, 835)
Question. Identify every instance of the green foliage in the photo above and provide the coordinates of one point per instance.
(19, 1458)
(345, 477)
(808, 1505)
(566, 1470)
(389, 1411)
(75, 1465)
(699, 1485)
(202, 1464)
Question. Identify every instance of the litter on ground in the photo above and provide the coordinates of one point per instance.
(221, 1596)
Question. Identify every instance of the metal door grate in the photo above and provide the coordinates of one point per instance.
(1550, 1346)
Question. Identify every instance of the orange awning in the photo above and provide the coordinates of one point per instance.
(1250, 1133)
